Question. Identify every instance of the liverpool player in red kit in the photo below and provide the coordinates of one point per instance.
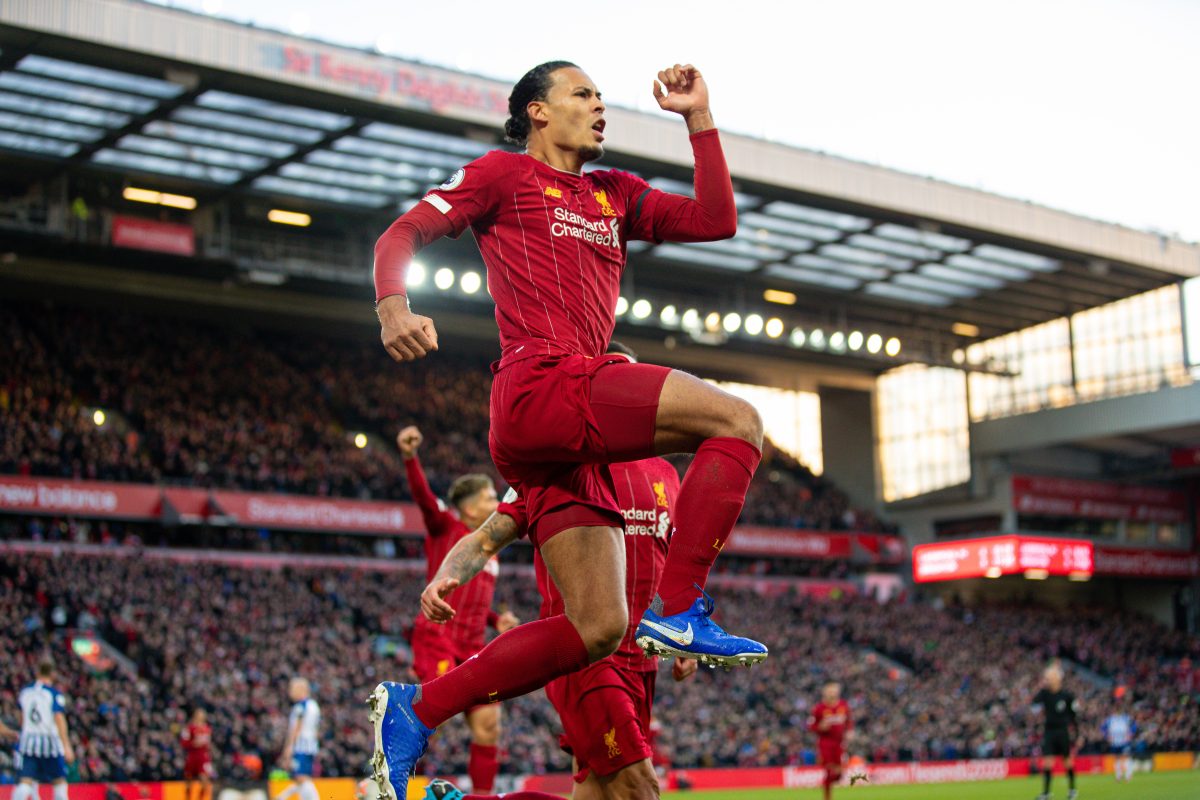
(196, 739)
(605, 708)
(830, 721)
(554, 241)
(438, 649)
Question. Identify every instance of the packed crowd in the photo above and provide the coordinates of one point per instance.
(242, 407)
(923, 682)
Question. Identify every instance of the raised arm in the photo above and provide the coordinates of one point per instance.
(713, 214)
(436, 519)
(466, 560)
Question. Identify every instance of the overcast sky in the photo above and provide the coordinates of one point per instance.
(1084, 105)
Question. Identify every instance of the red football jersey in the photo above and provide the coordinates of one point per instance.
(646, 492)
(472, 602)
(838, 718)
(554, 246)
(196, 739)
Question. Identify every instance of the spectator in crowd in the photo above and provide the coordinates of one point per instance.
(922, 683)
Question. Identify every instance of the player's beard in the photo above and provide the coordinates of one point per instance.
(591, 152)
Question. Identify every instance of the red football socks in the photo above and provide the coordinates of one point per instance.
(710, 500)
(514, 796)
(515, 663)
(482, 766)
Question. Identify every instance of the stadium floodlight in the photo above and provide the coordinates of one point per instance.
(797, 338)
(1037, 574)
(779, 296)
(754, 324)
(297, 218)
(959, 356)
(893, 347)
(622, 306)
(360, 440)
(416, 274)
(470, 282)
(443, 278)
(642, 309)
(712, 322)
(669, 315)
(855, 340)
(691, 319)
(965, 329)
(817, 339)
(99, 417)
(178, 201)
(774, 327)
(837, 342)
(993, 572)
(733, 321)
(137, 195)
(874, 343)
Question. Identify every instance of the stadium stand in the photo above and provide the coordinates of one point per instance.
(244, 407)
(923, 681)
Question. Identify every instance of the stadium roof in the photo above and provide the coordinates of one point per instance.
(225, 110)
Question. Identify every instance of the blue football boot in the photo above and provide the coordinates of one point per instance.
(693, 634)
(400, 738)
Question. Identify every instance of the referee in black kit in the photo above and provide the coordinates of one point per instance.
(1059, 728)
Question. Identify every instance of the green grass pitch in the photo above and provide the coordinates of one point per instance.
(1152, 786)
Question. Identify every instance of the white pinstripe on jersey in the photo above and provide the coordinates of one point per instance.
(39, 731)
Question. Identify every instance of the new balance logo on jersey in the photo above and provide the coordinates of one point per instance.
(679, 637)
(574, 226)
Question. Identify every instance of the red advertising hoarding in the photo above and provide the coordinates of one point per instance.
(176, 505)
(1135, 563)
(1068, 497)
(78, 498)
(994, 556)
(1185, 457)
(148, 234)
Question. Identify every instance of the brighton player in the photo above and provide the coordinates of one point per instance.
(1119, 730)
(303, 741)
(1059, 728)
(605, 708)
(438, 649)
(45, 743)
(196, 739)
(554, 240)
(830, 721)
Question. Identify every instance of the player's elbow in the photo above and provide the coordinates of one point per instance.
(724, 226)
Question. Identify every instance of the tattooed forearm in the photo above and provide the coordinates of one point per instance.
(468, 558)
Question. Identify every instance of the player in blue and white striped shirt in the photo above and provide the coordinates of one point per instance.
(45, 745)
(303, 741)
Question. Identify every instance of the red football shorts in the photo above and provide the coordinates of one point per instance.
(197, 764)
(831, 754)
(557, 423)
(433, 653)
(605, 712)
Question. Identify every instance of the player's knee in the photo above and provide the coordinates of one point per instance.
(608, 635)
(486, 732)
(743, 421)
(635, 782)
(602, 633)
